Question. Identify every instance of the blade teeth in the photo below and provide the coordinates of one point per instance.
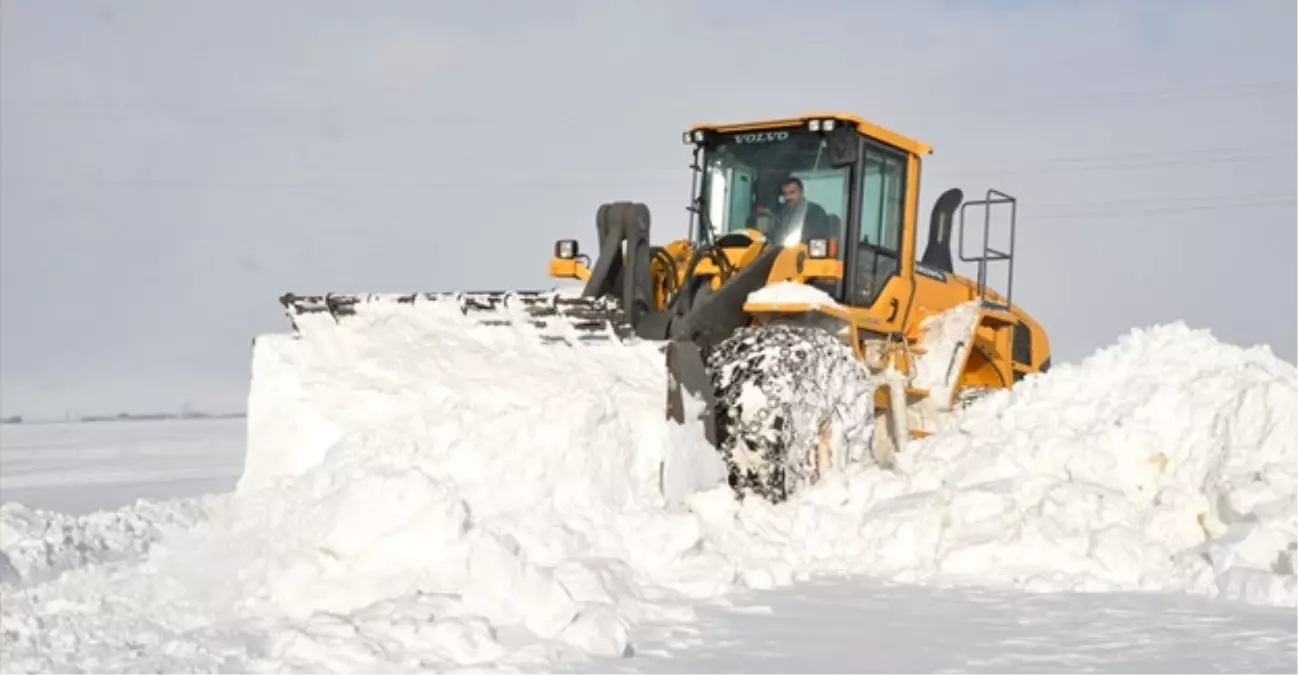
(598, 318)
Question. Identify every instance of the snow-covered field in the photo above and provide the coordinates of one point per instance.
(83, 467)
(453, 496)
(857, 625)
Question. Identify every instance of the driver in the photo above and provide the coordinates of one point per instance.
(803, 219)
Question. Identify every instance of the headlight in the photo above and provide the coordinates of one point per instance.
(814, 125)
(565, 249)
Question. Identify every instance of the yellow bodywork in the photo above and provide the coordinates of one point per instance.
(905, 301)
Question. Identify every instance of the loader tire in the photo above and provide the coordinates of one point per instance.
(787, 395)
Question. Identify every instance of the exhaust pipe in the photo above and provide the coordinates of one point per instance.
(937, 253)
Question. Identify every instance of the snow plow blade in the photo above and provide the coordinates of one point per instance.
(551, 314)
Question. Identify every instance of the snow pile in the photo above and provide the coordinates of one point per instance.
(423, 492)
(37, 545)
(788, 292)
(946, 339)
(1165, 462)
(466, 496)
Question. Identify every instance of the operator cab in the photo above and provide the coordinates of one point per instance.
(820, 177)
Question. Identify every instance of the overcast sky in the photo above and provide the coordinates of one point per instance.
(170, 168)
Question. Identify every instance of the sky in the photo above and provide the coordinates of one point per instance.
(168, 169)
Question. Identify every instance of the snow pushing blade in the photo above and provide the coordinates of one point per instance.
(573, 317)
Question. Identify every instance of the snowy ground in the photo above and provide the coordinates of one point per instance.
(859, 625)
(1115, 516)
(829, 624)
(82, 467)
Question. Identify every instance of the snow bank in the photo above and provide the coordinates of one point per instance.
(37, 545)
(1165, 462)
(424, 493)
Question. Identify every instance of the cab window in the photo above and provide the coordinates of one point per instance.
(880, 221)
(881, 198)
(747, 177)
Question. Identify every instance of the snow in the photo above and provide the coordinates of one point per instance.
(837, 625)
(789, 292)
(1165, 462)
(37, 545)
(946, 340)
(62, 467)
(423, 492)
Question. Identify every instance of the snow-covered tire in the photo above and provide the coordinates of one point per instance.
(778, 388)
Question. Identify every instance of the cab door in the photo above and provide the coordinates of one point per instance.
(877, 277)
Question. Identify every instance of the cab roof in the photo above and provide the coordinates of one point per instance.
(863, 126)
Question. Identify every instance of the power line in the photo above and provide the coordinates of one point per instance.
(1085, 102)
(1119, 166)
(1176, 152)
(995, 100)
(1183, 199)
(526, 177)
(540, 177)
(1084, 209)
(166, 184)
(1102, 213)
(528, 180)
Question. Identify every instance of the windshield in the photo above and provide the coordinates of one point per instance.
(779, 182)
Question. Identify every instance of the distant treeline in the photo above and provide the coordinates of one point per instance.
(128, 417)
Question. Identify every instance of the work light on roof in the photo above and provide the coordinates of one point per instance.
(821, 125)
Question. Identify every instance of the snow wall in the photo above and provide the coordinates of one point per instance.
(1164, 462)
(422, 492)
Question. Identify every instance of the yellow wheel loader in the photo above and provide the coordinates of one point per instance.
(797, 314)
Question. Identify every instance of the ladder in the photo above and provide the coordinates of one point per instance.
(991, 255)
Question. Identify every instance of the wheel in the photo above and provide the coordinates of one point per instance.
(792, 403)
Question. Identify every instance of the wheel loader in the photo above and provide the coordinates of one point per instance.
(799, 323)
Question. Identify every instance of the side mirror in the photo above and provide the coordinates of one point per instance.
(844, 146)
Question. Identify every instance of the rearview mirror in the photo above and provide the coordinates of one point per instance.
(844, 146)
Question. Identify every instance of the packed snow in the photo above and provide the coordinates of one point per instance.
(945, 342)
(424, 492)
(857, 625)
(788, 292)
